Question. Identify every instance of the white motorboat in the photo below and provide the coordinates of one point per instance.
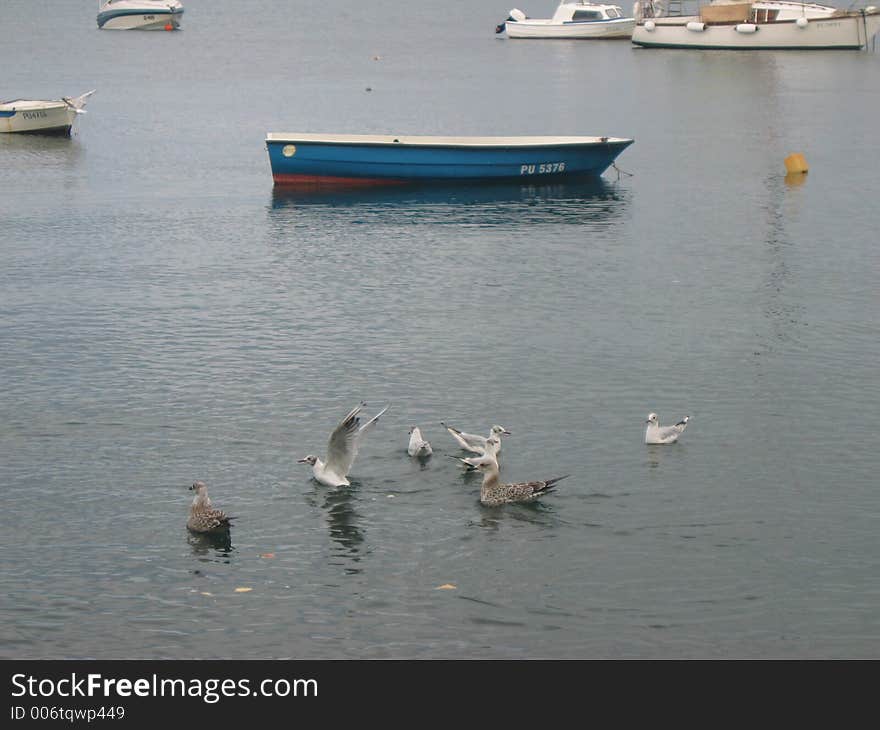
(571, 20)
(41, 117)
(140, 14)
(726, 24)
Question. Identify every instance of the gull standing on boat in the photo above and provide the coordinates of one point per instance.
(494, 493)
(417, 445)
(203, 518)
(474, 443)
(341, 449)
(657, 434)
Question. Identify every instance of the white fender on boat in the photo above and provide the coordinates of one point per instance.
(696, 26)
(802, 22)
(650, 25)
(517, 14)
(746, 28)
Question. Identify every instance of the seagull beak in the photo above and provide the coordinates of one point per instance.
(507, 432)
(302, 461)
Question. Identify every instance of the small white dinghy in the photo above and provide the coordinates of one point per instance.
(32, 116)
(571, 20)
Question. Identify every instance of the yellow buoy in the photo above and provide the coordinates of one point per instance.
(795, 163)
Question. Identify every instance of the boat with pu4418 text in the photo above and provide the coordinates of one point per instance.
(38, 116)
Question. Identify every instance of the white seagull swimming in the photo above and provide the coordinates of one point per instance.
(492, 452)
(417, 445)
(657, 434)
(474, 443)
(341, 449)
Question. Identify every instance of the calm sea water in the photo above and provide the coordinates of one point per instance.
(166, 316)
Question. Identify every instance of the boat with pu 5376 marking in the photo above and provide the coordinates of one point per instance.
(373, 159)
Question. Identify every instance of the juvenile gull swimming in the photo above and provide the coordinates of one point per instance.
(417, 445)
(341, 449)
(203, 518)
(472, 442)
(494, 493)
(657, 434)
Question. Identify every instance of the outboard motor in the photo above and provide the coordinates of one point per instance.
(513, 17)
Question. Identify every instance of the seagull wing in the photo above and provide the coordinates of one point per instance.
(670, 433)
(342, 447)
(467, 441)
(529, 491)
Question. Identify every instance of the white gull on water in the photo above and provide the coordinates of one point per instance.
(492, 452)
(341, 449)
(657, 434)
(473, 442)
(417, 445)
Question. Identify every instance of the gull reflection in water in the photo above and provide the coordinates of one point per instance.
(210, 547)
(342, 521)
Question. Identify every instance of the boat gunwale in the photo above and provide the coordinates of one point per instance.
(473, 143)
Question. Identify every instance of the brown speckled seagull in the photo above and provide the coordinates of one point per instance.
(203, 518)
(494, 493)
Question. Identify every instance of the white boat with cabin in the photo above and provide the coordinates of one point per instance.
(767, 25)
(571, 20)
(35, 116)
(139, 14)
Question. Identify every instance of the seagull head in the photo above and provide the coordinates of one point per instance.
(652, 418)
(487, 464)
(498, 430)
(310, 459)
(412, 428)
(199, 487)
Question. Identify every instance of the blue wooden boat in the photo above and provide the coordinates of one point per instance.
(364, 159)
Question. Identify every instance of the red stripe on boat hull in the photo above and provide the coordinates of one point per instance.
(321, 181)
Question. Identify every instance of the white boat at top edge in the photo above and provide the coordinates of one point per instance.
(769, 25)
(571, 20)
(140, 14)
(35, 116)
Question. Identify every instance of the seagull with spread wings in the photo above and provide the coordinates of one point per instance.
(342, 449)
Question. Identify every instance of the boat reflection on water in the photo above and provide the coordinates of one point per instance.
(492, 204)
